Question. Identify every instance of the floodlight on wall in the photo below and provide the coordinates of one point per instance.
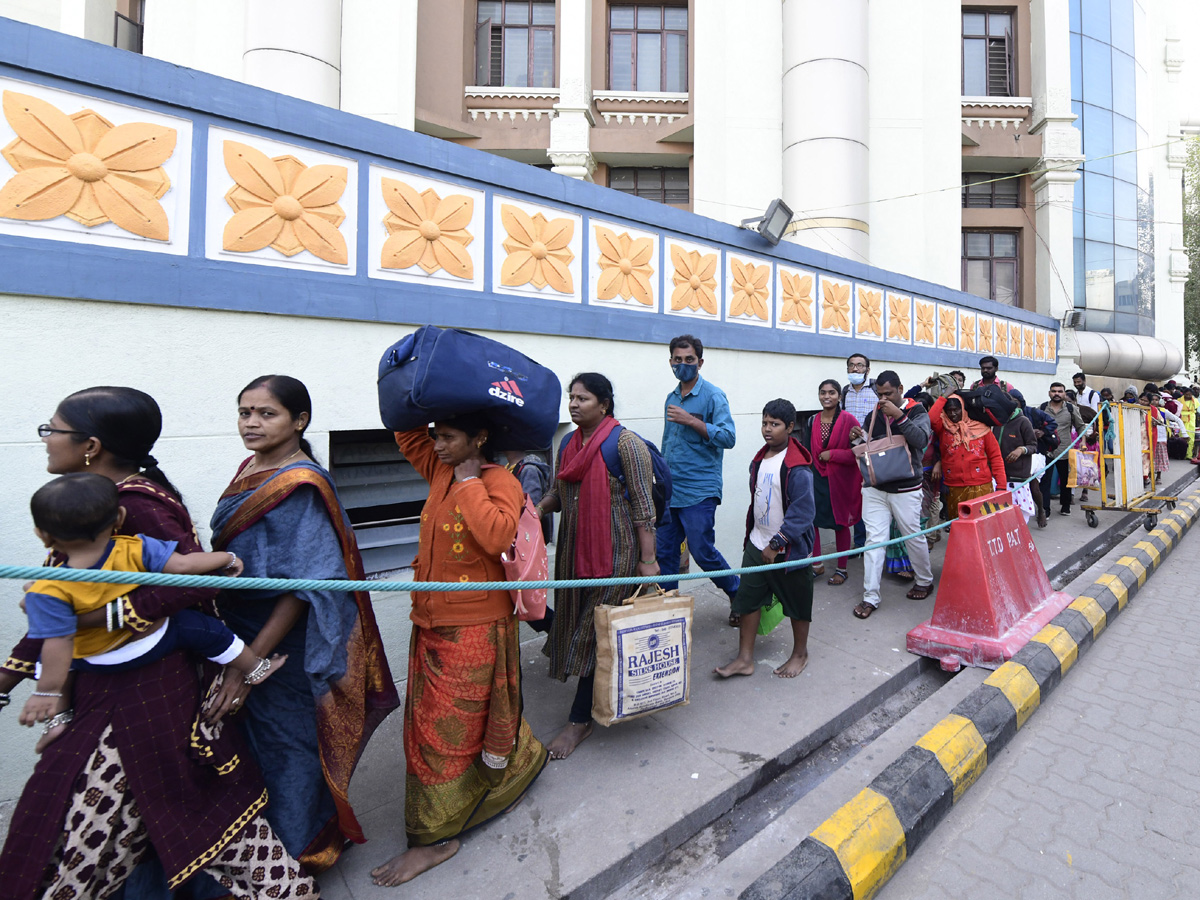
(773, 223)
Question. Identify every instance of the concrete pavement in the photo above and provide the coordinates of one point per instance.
(634, 792)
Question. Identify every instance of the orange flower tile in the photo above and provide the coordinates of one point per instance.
(694, 280)
(83, 167)
(283, 204)
(625, 268)
(750, 289)
(426, 230)
(797, 298)
(870, 312)
(538, 250)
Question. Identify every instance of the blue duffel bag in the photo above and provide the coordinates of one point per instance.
(436, 374)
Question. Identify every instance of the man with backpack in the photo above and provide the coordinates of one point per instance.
(1066, 416)
(988, 367)
(698, 430)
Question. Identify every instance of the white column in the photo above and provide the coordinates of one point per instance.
(94, 20)
(379, 60)
(737, 109)
(1054, 190)
(825, 124)
(294, 47)
(571, 128)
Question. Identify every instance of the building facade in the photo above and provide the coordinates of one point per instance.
(1063, 119)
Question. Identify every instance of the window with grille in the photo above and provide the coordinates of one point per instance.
(648, 47)
(127, 25)
(988, 68)
(989, 265)
(514, 43)
(990, 190)
(661, 185)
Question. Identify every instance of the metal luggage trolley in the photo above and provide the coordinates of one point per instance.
(1133, 456)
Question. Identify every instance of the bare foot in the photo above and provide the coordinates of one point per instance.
(737, 666)
(793, 667)
(568, 739)
(412, 862)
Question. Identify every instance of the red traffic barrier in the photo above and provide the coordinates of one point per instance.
(994, 594)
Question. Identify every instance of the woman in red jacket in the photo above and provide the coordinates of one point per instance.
(971, 459)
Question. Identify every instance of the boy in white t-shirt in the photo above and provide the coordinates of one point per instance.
(779, 527)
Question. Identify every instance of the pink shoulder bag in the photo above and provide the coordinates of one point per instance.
(526, 560)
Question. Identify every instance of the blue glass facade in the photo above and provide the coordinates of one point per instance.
(1114, 199)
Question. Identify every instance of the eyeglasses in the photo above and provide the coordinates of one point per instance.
(856, 367)
(45, 431)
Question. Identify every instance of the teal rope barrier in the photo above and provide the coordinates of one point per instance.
(219, 582)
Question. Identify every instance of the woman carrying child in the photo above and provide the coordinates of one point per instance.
(307, 725)
(124, 766)
(837, 484)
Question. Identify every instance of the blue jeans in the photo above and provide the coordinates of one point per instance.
(696, 524)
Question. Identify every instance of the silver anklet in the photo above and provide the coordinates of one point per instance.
(260, 671)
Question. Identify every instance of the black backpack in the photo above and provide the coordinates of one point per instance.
(660, 493)
(989, 404)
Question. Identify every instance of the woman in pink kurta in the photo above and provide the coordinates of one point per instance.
(837, 484)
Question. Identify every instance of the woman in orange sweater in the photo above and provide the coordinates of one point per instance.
(470, 754)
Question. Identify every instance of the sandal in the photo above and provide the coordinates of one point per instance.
(838, 577)
(735, 619)
(905, 576)
(919, 591)
(864, 610)
(818, 568)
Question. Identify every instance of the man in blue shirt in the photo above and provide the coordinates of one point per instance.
(698, 431)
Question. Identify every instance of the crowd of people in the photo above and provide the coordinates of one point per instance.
(180, 749)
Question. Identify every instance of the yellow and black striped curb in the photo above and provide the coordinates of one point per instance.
(853, 853)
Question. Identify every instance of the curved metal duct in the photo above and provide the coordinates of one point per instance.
(1128, 356)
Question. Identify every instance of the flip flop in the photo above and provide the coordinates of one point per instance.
(864, 610)
(838, 577)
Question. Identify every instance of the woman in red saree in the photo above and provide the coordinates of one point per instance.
(282, 517)
(837, 484)
(470, 754)
(121, 785)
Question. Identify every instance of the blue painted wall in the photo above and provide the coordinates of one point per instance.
(38, 56)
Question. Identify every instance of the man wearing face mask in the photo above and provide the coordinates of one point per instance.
(858, 399)
(699, 429)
